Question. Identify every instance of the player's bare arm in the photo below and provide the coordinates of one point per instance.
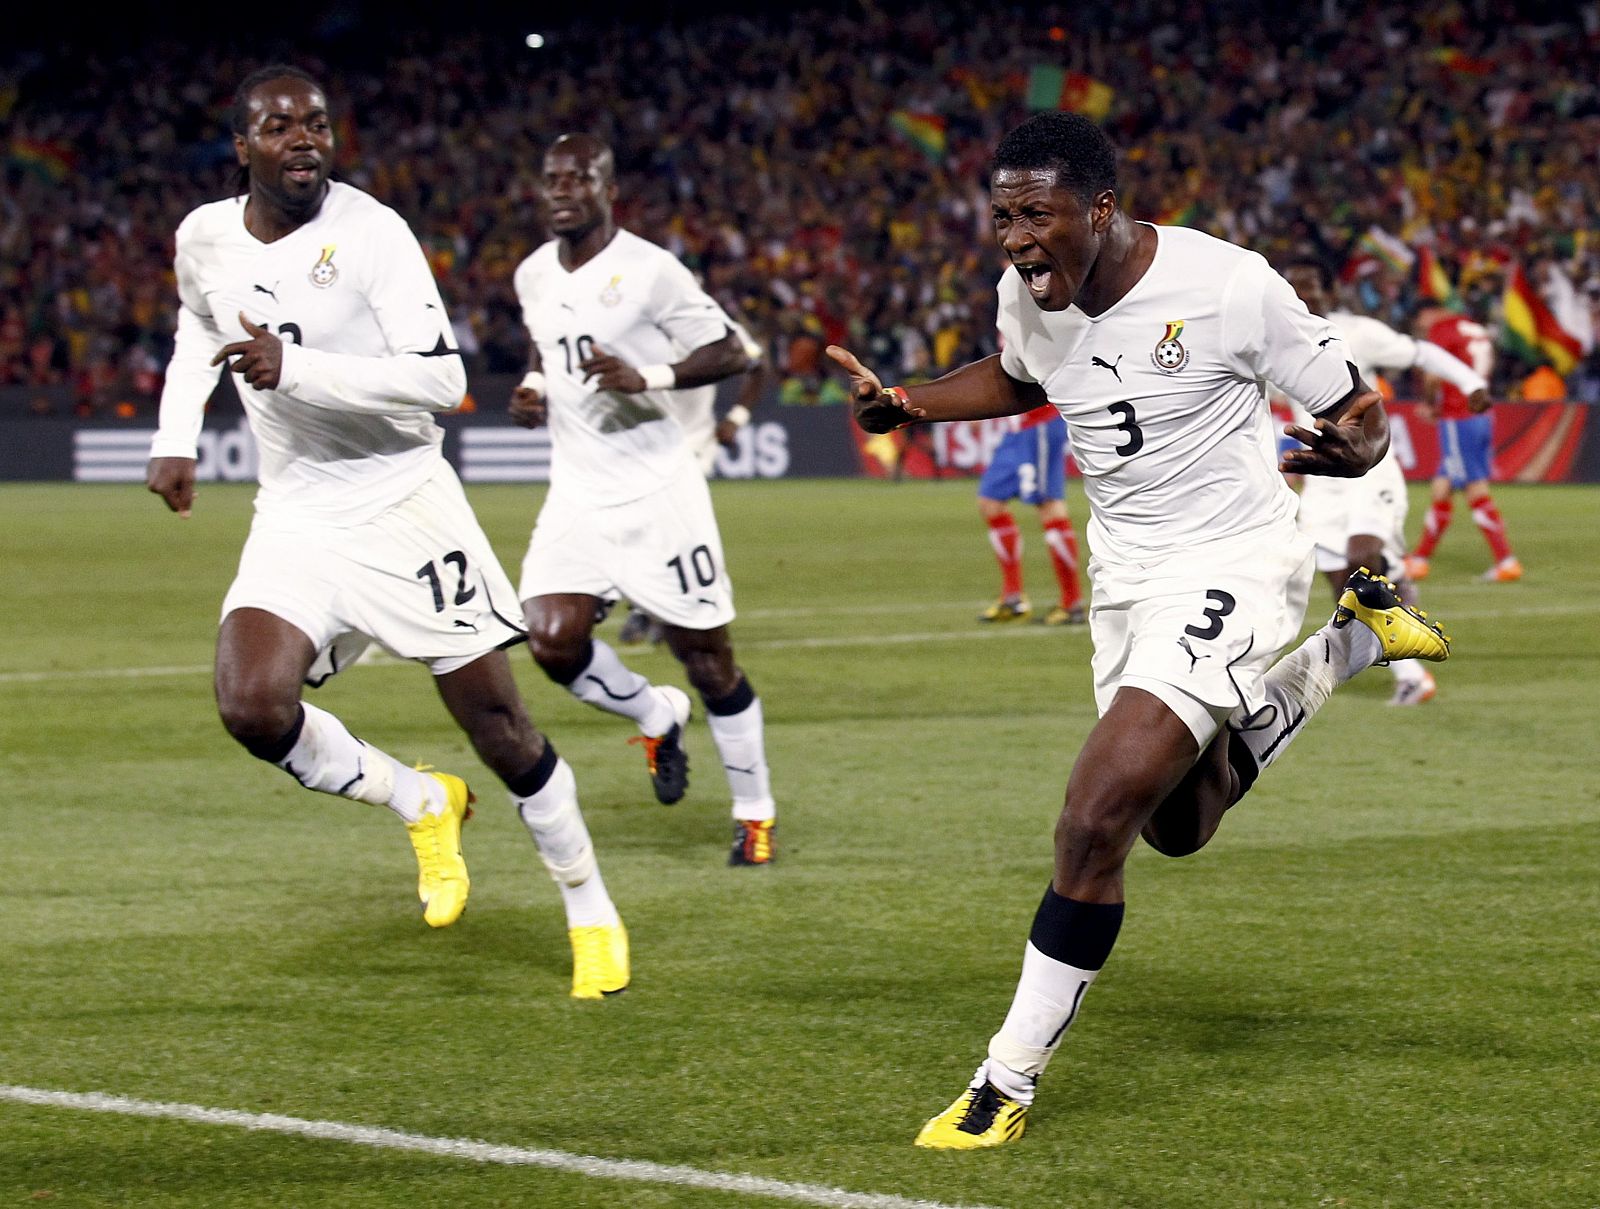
(528, 407)
(173, 480)
(979, 391)
(259, 359)
(707, 364)
(1348, 440)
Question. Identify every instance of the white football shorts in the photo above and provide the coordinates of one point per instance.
(421, 580)
(1199, 630)
(662, 552)
(1334, 510)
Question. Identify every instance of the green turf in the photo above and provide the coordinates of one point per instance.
(1379, 986)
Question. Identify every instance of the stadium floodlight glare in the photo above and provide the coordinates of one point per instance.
(534, 41)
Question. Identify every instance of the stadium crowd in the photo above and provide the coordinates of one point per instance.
(799, 172)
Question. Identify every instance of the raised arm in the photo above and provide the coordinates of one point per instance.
(979, 391)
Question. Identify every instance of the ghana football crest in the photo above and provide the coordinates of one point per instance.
(324, 273)
(1169, 355)
(610, 296)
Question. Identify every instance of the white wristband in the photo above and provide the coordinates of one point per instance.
(738, 415)
(658, 377)
(533, 380)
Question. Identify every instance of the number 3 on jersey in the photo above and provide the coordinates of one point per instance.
(1128, 423)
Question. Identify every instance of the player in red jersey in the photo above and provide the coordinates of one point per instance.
(1029, 464)
(1465, 442)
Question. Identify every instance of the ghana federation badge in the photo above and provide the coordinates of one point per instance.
(610, 296)
(324, 273)
(1169, 355)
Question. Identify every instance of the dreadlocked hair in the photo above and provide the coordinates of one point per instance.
(239, 113)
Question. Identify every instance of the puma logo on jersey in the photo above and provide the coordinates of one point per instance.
(272, 294)
(1325, 343)
(1190, 651)
(1103, 364)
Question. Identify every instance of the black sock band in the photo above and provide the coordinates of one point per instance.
(1079, 934)
(276, 751)
(537, 777)
(1243, 762)
(735, 702)
(564, 678)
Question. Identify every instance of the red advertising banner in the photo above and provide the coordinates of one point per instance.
(1533, 443)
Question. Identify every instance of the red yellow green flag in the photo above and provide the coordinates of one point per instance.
(1433, 283)
(1053, 87)
(925, 131)
(1531, 331)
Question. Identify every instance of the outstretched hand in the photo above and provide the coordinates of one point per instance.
(260, 358)
(876, 409)
(1338, 449)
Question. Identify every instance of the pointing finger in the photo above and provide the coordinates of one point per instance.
(250, 327)
(229, 350)
(847, 359)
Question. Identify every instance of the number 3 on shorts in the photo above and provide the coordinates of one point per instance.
(1222, 603)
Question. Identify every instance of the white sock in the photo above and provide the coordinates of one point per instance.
(741, 742)
(1045, 1005)
(1300, 683)
(1408, 671)
(608, 684)
(328, 758)
(556, 824)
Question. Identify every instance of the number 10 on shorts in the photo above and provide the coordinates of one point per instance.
(701, 566)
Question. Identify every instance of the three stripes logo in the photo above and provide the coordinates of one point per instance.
(112, 455)
(505, 455)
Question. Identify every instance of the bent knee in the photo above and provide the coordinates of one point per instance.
(255, 715)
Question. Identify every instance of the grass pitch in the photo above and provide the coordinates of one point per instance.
(1380, 985)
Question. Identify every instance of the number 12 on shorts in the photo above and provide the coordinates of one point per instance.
(701, 566)
(463, 590)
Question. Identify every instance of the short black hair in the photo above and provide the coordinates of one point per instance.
(1068, 144)
(1316, 264)
(239, 116)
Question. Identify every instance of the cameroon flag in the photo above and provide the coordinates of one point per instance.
(1532, 332)
(1052, 87)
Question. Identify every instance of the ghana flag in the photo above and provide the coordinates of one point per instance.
(1433, 283)
(925, 131)
(1531, 330)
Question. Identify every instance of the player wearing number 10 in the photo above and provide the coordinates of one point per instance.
(1199, 576)
(361, 529)
(617, 324)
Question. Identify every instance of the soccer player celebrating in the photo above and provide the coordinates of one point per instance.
(629, 512)
(1199, 576)
(1361, 522)
(321, 300)
(1466, 439)
(1030, 464)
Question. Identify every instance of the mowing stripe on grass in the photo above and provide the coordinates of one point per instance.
(788, 644)
(633, 1170)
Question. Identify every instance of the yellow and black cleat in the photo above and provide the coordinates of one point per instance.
(1008, 608)
(1063, 615)
(442, 881)
(982, 1116)
(599, 961)
(1403, 632)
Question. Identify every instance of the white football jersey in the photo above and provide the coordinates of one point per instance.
(1164, 393)
(636, 301)
(367, 353)
(695, 408)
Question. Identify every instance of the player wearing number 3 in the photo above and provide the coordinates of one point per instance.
(361, 531)
(628, 511)
(1199, 575)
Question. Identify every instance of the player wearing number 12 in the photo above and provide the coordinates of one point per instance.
(617, 324)
(1199, 576)
(361, 531)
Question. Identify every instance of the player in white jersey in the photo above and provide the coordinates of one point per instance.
(1362, 522)
(695, 410)
(628, 512)
(1199, 576)
(321, 300)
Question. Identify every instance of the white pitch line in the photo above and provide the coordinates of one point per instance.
(783, 644)
(635, 1170)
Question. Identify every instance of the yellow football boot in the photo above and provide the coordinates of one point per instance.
(1008, 608)
(599, 961)
(982, 1116)
(1062, 615)
(1403, 632)
(442, 881)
